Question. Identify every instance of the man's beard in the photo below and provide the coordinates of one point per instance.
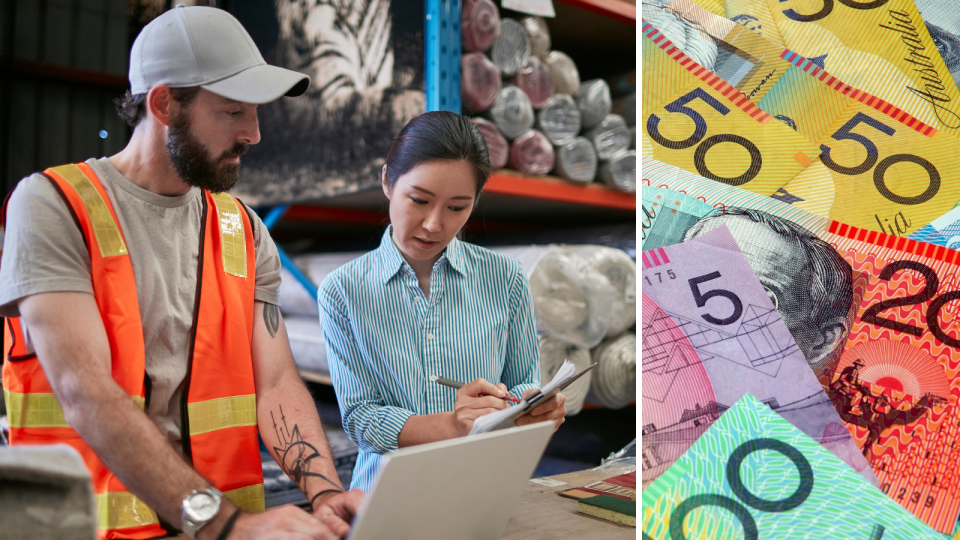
(192, 163)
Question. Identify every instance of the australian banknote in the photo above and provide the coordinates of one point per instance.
(942, 20)
(697, 121)
(888, 52)
(943, 231)
(754, 475)
(710, 334)
(876, 317)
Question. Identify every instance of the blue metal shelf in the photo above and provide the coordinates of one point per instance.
(441, 51)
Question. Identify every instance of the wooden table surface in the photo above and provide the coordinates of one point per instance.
(544, 515)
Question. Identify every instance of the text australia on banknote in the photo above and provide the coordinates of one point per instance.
(710, 335)
(874, 314)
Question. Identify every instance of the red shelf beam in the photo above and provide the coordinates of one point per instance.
(557, 190)
(614, 9)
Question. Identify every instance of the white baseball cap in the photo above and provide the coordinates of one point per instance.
(207, 47)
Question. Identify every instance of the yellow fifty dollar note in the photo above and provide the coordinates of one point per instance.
(706, 126)
(881, 47)
(874, 172)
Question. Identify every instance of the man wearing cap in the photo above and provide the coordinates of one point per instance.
(143, 327)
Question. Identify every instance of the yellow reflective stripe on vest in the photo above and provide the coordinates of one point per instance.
(122, 510)
(222, 413)
(231, 235)
(105, 227)
(39, 410)
(248, 499)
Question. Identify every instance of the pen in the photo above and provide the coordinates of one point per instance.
(458, 385)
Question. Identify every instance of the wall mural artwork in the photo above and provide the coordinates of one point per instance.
(365, 60)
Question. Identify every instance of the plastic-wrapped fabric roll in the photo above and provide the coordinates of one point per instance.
(626, 107)
(593, 98)
(537, 34)
(621, 171)
(512, 112)
(566, 77)
(621, 271)
(511, 48)
(614, 382)
(570, 299)
(294, 298)
(610, 137)
(306, 342)
(553, 352)
(559, 119)
(497, 146)
(576, 161)
(535, 80)
(479, 24)
(480, 82)
(532, 153)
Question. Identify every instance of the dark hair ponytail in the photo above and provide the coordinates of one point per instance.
(438, 135)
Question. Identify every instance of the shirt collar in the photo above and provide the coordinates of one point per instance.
(391, 260)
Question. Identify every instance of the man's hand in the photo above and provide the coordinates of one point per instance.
(552, 409)
(283, 523)
(336, 510)
(475, 400)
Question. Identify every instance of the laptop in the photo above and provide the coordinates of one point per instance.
(461, 489)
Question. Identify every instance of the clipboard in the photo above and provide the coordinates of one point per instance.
(526, 406)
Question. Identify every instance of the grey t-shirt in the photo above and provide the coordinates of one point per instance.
(44, 251)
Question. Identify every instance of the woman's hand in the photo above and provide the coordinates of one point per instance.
(552, 409)
(336, 510)
(475, 400)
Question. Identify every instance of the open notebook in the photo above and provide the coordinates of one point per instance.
(506, 418)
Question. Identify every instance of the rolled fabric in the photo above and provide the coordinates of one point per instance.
(610, 136)
(576, 161)
(559, 119)
(570, 299)
(534, 79)
(593, 98)
(306, 342)
(511, 48)
(626, 107)
(480, 82)
(621, 271)
(45, 491)
(294, 298)
(620, 172)
(614, 381)
(566, 78)
(553, 352)
(497, 146)
(538, 35)
(532, 153)
(512, 112)
(479, 24)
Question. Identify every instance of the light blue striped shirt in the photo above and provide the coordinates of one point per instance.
(384, 338)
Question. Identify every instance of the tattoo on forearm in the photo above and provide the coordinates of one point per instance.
(271, 317)
(295, 454)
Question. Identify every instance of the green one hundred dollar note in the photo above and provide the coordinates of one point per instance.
(753, 475)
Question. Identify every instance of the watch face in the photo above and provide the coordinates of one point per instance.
(202, 507)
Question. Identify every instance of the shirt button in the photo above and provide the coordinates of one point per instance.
(416, 298)
(429, 336)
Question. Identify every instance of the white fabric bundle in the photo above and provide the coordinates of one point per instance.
(620, 172)
(571, 300)
(559, 119)
(512, 112)
(576, 161)
(553, 352)
(610, 137)
(45, 494)
(593, 98)
(621, 271)
(614, 382)
(306, 342)
(294, 298)
(538, 35)
(563, 71)
(511, 48)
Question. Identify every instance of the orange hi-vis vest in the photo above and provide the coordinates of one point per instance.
(218, 402)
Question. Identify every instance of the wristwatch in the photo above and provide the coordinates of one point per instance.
(199, 508)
